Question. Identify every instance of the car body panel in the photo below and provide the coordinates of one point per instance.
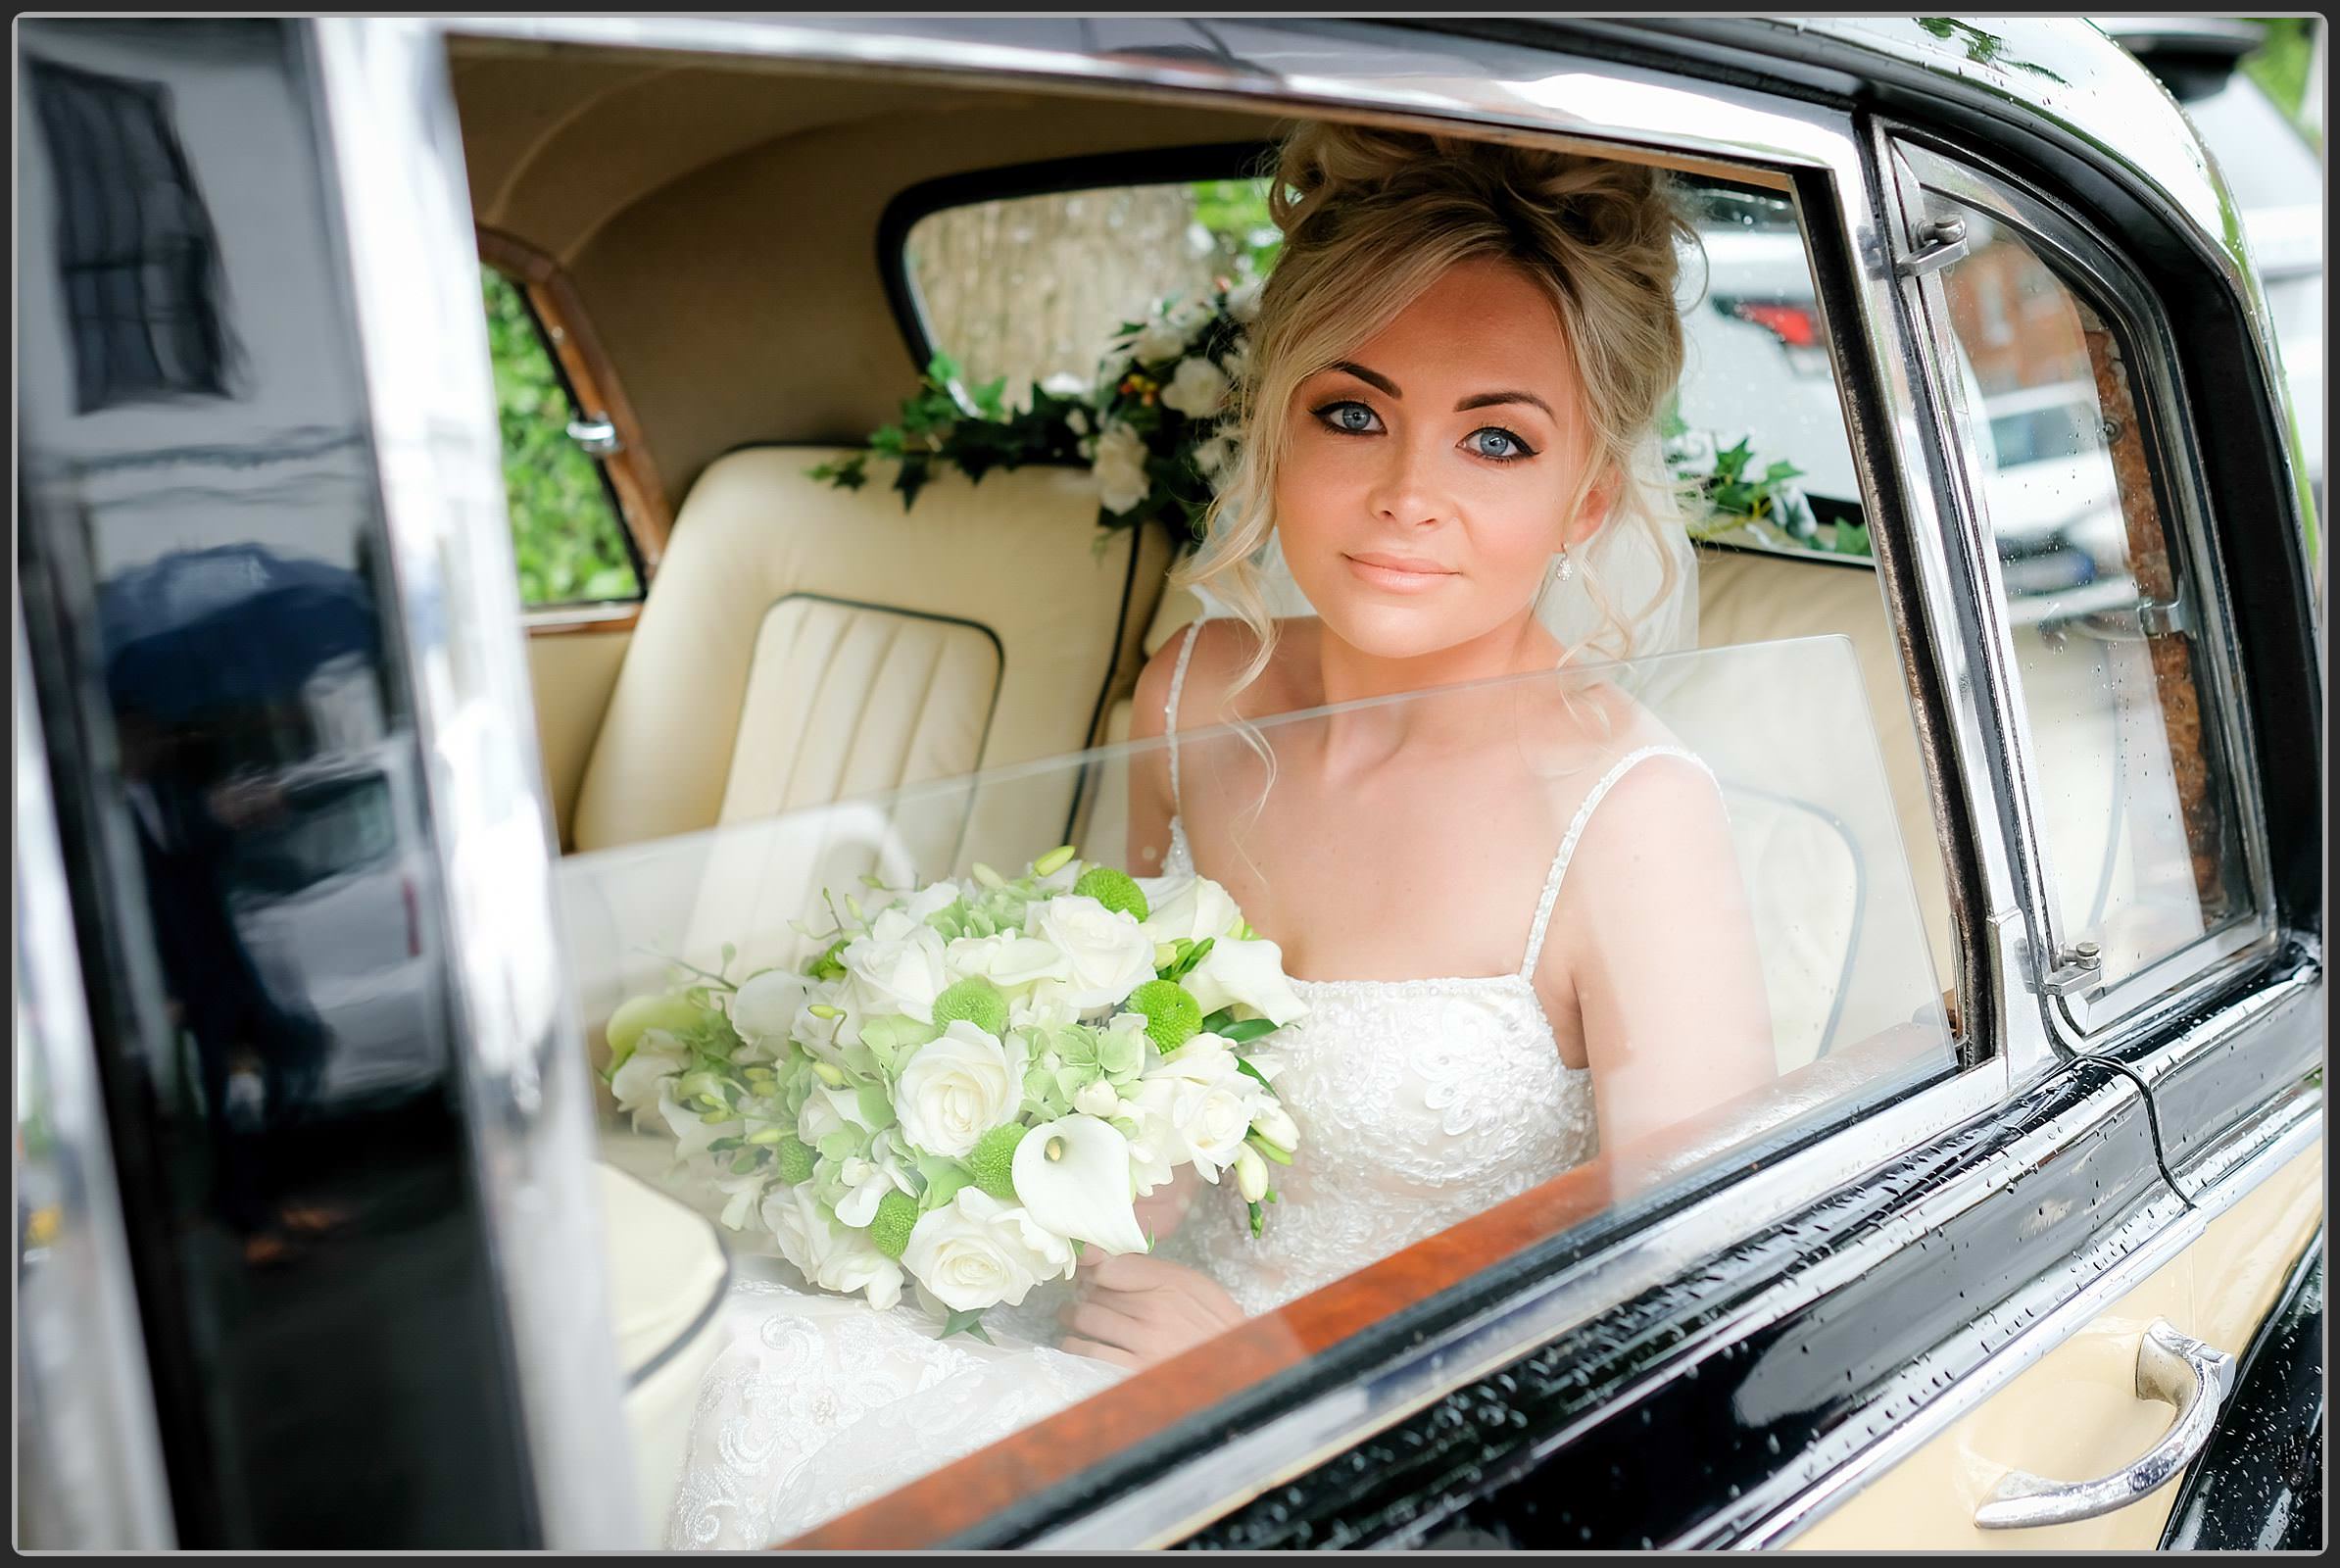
(2068, 1414)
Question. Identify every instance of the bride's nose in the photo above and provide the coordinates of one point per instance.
(1406, 491)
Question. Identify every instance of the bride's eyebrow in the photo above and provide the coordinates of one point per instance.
(1480, 400)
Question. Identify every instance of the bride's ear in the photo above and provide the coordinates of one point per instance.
(1594, 516)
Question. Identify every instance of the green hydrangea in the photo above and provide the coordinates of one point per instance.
(890, 1230)
(993, 1162)
(1115, 890)
(976, 1000)
(1171, 1014)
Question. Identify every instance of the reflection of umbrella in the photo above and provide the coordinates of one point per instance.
(203, 630)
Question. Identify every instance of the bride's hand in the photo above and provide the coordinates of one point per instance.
(1134, 1309)
(1161, 1212)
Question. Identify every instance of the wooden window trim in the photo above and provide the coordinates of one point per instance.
(927, 1514)
(633, 474)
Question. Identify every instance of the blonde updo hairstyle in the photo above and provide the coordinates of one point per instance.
(1372, 219)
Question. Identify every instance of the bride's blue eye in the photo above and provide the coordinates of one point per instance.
(1349, 419)
(1493, 442)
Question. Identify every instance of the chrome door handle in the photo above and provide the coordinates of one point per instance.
(598, 438)
(2170, 1367)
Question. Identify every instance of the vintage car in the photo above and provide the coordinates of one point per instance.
(335, 855)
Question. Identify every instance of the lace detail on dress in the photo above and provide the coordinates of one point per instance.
(818, 1404)
(1575, 831)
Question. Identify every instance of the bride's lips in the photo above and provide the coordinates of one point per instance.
(1405, 574)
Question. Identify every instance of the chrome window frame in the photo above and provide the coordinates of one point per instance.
(100, 1424)
(2138, 1003)
(1369, 73)
(397, 183)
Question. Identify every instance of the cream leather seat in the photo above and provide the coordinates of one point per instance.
(668, 1274)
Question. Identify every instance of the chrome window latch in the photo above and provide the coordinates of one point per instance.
(599, 437)
(1939, 241)
(2078, 968)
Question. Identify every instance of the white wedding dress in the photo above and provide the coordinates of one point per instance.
(1420, 1104)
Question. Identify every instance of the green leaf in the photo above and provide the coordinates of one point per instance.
(1255, 1072)
(944, 1178)
(1217, 1022)
(1249, 1030)
(1258, 1220)
(969, 1323)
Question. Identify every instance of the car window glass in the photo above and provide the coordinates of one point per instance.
(567, 536)
(2136, 807)
(800, 1028)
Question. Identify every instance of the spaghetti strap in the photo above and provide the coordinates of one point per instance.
(1576, 830)
(1178, 684)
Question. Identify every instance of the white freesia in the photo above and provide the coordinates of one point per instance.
(1198, 390)
(869, 1180)
(766, 1005)
(742, 1193)
(1246, 974)
(1251, 1175)
(1200, 1104)
(1186, 907)
(639, 1079)
(1120, 469)
(829, 1111)
(1108, 955)
(1274, 1124)
(1097, 1098)
(1073, 1176)
(829, 1256)
(958, 1088)
(896, 967)
(933, 899)
(691, 1135)
(975, 1251)
(1008, 960)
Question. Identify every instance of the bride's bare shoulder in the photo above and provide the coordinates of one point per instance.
(1223, 650)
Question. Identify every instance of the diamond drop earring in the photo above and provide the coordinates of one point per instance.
(1564, 569)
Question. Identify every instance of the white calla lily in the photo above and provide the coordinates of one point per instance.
(1073, 1175)
(1246, 974)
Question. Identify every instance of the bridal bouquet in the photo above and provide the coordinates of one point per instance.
(973, 1079)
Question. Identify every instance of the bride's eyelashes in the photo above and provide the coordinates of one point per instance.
(1492, 442)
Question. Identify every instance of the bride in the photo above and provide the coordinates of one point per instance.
(1512, 911)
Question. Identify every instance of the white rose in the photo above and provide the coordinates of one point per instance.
(1213, 455)
(1188, 908)
(1164, 338)
(1243, 303)
(901, 972)
(829, 1256)
(1044, 1008)
(1200, 1105)
(958, 1088)
(1006, 960)
(1107, 954)
(1063, 385)
(1246, 974)
(1120, 469)
(1198, 390)
(976, 1251)
(766, 1005)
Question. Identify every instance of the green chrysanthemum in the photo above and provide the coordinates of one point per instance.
(794, 1158)
(976, 1000)
(992, 1161)
(1171, 1014)
(1115, 890)
(890, 1230)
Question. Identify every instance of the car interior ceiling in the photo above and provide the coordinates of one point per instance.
(728, 264)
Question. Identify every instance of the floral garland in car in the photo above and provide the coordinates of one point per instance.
(1149, 426)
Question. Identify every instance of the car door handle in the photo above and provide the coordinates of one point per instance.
(2170, 1367)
